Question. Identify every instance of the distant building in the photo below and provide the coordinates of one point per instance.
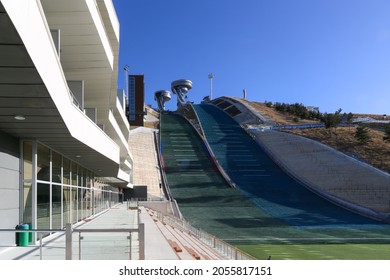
(136, 91)
(313, 109)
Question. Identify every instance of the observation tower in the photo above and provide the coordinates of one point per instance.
(162, 96)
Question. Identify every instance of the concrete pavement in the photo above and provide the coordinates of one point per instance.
(101, 245)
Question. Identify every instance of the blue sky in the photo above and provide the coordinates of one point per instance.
(327, 53)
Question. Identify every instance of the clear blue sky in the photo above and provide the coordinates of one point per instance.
(327, 53)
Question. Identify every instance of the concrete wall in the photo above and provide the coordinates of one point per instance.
(9, 186)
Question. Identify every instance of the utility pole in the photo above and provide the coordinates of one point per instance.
(211, 76)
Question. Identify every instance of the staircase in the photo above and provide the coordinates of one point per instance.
(185, 245)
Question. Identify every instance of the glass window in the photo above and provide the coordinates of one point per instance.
(132, 98)
(66, 205)
(80, 207)
(27, 202)
(27, 160)
(74, 205)
(87, 203)
(74, 174)
(88, 179)
(81, 173)
(56, 163)
(43, 163)
(27, 181)
(43, 206)
(56, 206)
(66, 171)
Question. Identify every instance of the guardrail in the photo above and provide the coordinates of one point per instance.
(68, 231)
(140, 230)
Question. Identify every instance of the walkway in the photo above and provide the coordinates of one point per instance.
(101, 246)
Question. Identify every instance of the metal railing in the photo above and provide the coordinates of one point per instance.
(68, 231)
(74, 100)
(219, 245)
(69, 234)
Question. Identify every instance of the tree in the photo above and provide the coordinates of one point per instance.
(386, 138)
(362, 134)
(331, 120)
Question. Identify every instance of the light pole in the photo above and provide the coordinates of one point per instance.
(211, 76)
(126, 68)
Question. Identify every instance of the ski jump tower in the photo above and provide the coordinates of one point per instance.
(180, 88)
(162, 96)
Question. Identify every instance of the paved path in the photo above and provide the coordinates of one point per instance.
(101, 246)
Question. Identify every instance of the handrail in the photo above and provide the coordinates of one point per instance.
(74, 100)
(68, 237)
(31, 230)
(164, 183)
(69, 230)
(140, 230)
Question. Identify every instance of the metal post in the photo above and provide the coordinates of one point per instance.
(68, 242)
(130, 245)
(80, 238)
(141, 237)
(211, 76)
(40, 245)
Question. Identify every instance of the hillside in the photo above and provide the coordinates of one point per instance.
(376, 152)
(278, 117)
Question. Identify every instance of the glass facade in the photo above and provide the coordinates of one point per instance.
(43, 206)
(131, 98)
(56, 202)
(27, 181)
(57, 191)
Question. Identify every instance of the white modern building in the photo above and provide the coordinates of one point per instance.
(64, 152)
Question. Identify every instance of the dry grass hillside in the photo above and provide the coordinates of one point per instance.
(278, 117)
(376, 152)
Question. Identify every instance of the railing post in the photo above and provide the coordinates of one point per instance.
(68, 242)
(40, 245)
(130, 245)
(80, 248)
(141, 237)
